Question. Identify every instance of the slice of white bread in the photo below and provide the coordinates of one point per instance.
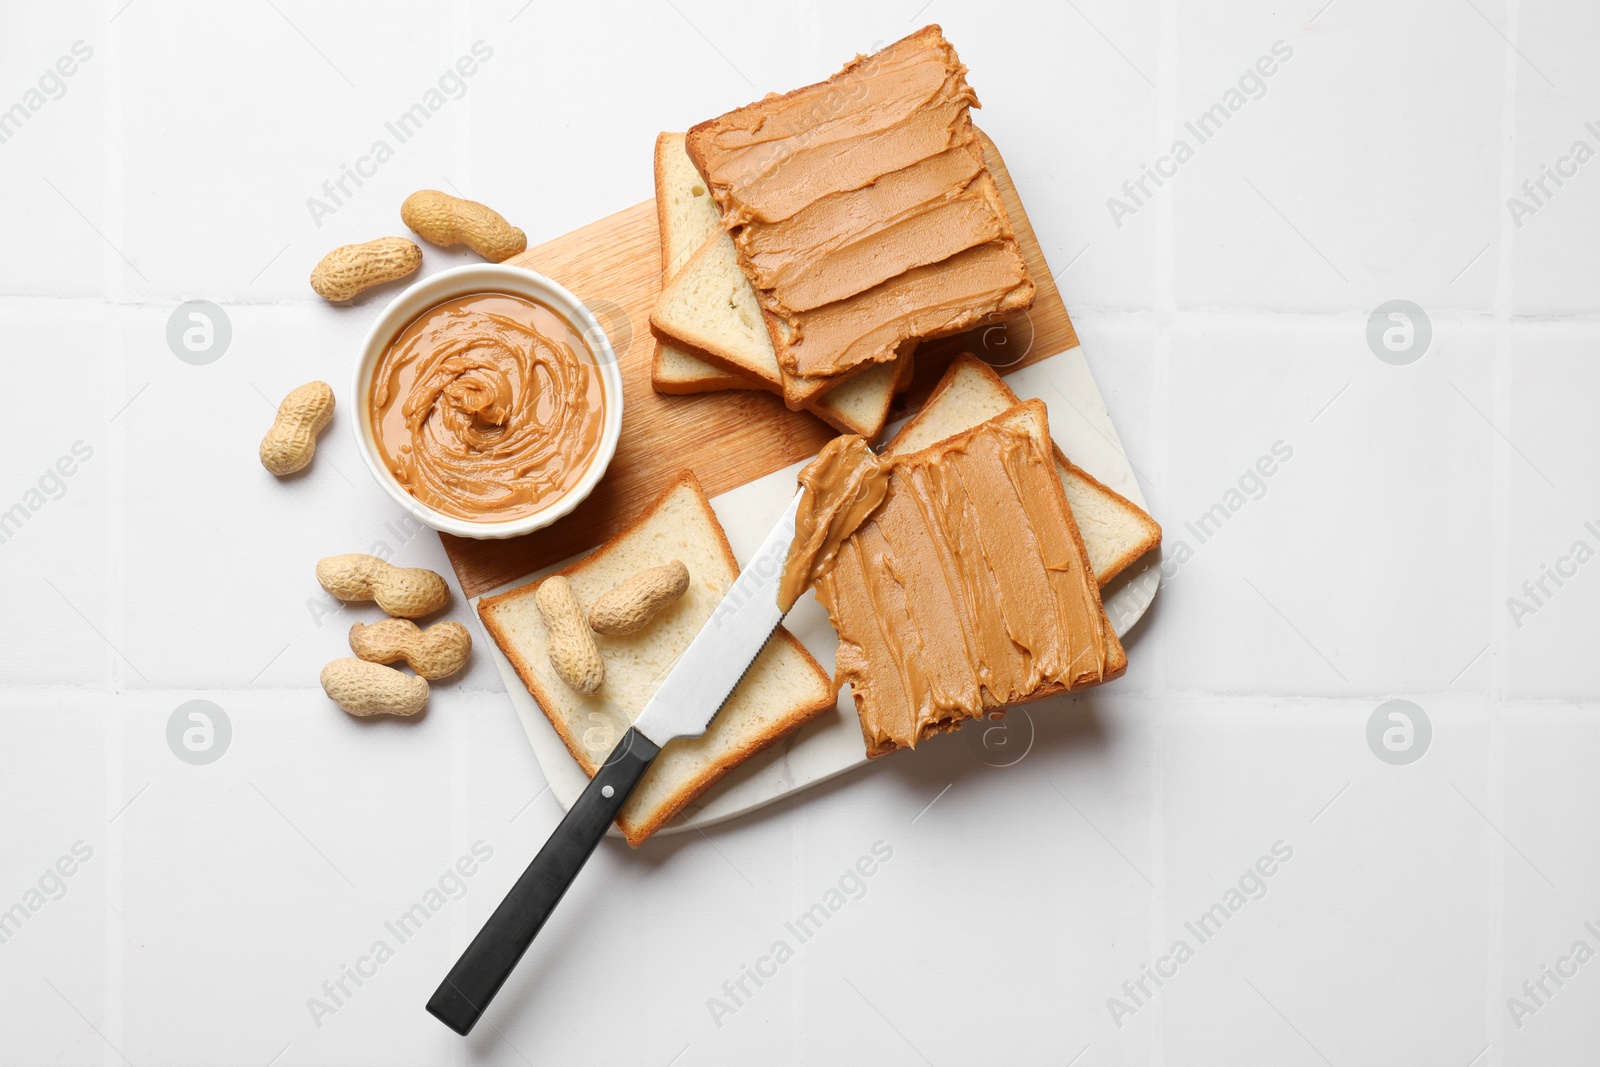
(685, 208)
(708, 308)
(1114, 529)
(687, 215)
(677, 373)
(783, 690)
(709, 329)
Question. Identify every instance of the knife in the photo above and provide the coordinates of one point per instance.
(684, 705)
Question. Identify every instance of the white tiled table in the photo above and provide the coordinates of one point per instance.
(208, 905)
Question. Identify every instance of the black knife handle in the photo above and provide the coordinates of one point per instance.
(486, 964)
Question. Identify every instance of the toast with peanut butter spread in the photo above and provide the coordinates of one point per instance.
(967, 590)
(863, 213)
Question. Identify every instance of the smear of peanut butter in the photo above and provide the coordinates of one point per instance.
(839, 490)
(488, 407)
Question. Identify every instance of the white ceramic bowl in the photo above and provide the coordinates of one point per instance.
(462, 281)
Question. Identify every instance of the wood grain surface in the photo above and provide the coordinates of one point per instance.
(727, 438)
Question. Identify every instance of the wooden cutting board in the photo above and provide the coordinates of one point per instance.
(727, 438)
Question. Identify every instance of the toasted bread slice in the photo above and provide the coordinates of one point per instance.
(783, 690)
(905, 542)
(708, 312)
(1115, 530)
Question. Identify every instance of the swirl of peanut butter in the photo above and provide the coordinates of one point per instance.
(488, 407)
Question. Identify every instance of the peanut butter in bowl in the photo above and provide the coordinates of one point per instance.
(486, 409)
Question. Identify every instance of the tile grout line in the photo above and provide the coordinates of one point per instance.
(461, 132)
(1500, 538)
(1165, 289)
(1158, 867)
(112, 1007)
(1166, 119)
(111, 198)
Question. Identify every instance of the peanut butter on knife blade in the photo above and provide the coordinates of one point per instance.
(840, 490)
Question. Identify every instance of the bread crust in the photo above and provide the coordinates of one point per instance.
(1152, 528)
(696, 787)
(694, 386)
(707, 383)
(728, 379)
(663, 145)
(904, 368)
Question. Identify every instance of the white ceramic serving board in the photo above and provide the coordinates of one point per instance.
(831, 744)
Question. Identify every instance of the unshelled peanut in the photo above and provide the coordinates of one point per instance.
(405, 592)
(573, 653)
(363, 688)
(350, 270)
(292, 441)
(626, 608)
(434, 653)
(447, 220)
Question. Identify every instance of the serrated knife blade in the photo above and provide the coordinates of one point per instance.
(716, 660)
